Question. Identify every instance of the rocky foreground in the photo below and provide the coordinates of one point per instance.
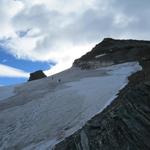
(125, 123)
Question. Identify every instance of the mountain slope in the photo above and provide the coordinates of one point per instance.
(125, 124)
(72, 111)
(111, 51)
(42, 113)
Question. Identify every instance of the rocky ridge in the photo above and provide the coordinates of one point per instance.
(111, 51)
(125, 123)
(37, 75)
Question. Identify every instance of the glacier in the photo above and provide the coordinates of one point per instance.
(38, 114)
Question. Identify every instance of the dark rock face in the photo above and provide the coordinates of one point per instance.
(117, 51)
(37, 75)
(125, 123)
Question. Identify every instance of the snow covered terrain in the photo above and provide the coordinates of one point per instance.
(6, 92)
(43, 112)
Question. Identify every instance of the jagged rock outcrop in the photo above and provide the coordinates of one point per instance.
(125, 123)
(37, 75)
(114, 52)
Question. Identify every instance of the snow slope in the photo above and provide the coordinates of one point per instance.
(44, 112)
(6, 92)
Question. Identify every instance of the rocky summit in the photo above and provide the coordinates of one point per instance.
(111, 51)
(125, 123)
(37, 75)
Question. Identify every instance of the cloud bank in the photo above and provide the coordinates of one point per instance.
(61, 31)
(7, 71)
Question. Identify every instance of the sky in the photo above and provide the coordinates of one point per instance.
(50, 34)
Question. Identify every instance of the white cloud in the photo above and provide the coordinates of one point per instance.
(63, 6)
(7, 71)
(8, 9)
(122, 21)
(62, 31)
(69, 54)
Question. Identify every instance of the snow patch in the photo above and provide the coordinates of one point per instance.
(6, 92)
(98, 56)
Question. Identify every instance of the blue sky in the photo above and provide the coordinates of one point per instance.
(51, 34)
(25, 65)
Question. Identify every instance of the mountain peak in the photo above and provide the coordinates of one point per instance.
(37, 75)
(114, 51)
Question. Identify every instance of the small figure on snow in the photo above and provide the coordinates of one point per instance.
(59, 80)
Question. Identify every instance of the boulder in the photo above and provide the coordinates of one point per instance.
(36, 75)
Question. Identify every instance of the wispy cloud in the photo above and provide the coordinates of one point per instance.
(7, 71)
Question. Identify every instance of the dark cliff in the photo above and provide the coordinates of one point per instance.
(114, 52)
(125, 123)
(37, 75)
